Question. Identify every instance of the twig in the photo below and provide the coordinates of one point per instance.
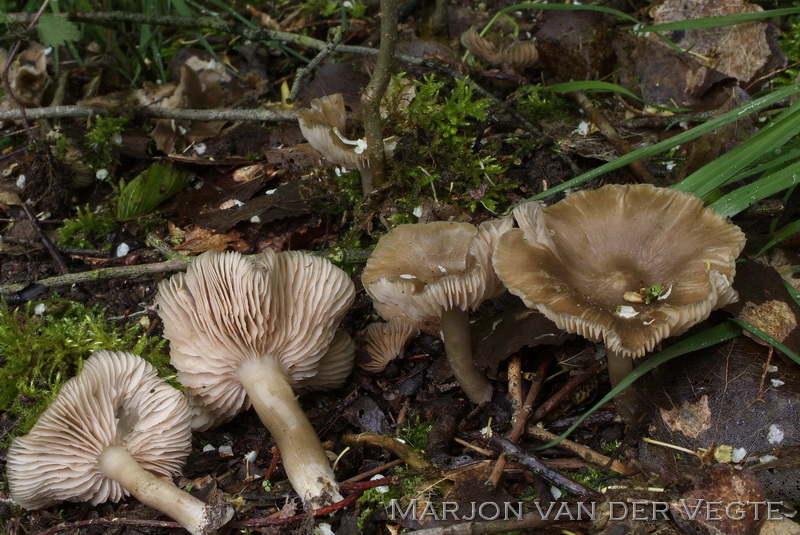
(51, 249)
(217, 114)
(515, 385)
(520, 420)
(389, 444)
(377, 470)
(575, 381)
(554, 478)
(101, 274)
(612, 136)
(336, 40)
(581, 451)
(179, 263)
(373, 93)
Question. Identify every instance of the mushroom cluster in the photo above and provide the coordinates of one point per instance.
(628, 264)
(246, 332)
(115, 429)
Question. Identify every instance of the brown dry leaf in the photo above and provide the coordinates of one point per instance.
(663, 76)
(9, 196)
(199, 240)
(691, 419)
(743, 51)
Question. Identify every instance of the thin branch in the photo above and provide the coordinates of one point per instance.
(51, 249)
(101, 274)
(302, 73)
(610, 133)
(373, 93)
(537, 467)
(216, 114)
(587, 454)
(520, 420)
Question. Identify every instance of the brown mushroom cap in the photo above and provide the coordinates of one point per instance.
(575, 261)
(117, 400)
(226, 310)
(419, 270)
(317, 124)
(516, 55)
(383, 342)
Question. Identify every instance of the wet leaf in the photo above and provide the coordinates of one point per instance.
(145, 192)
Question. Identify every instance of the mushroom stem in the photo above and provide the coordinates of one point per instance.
(626, 402)
(306, 463)
(458, 347)
(197, 517)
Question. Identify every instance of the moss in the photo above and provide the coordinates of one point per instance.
(43, 344)
(440, 154)
(103, 140)
(88, 230)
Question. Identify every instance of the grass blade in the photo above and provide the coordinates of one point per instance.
(663, 146)
(739, 199)
(749, 327)
(718, 22)
(768, 140)
(701, 340)
(786, 231)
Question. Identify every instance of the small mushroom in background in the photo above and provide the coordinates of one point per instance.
(516, 55)
(247, 332)
(439, 269)
(628, 264)
(323, 126)
(383, 342)
(115, 429)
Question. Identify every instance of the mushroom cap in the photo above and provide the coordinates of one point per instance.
(116, 400)
(383, 342)
(334, 367)
(419, 270)
(317, 124)
(473, 41)
(577, 260)
(227, 309)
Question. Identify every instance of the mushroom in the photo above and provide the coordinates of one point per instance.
(516, 55)
(438, 269)
(323, 125)
(115, 429)
(383, 342)
(245, 332)
(628, 264)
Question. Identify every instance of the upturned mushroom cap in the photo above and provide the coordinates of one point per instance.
(117, 400)
(226, 310)
(419, 270)
(323, 125)
(383, 342)
(582, 262)
(516, 55)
